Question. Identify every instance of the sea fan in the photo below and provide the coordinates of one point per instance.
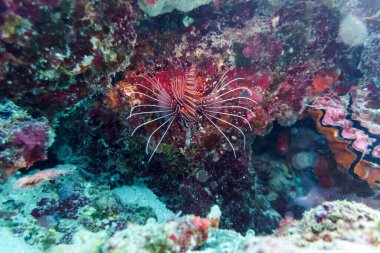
(185, 102)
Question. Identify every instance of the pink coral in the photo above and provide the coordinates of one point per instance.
(376, 151)
(152, 2)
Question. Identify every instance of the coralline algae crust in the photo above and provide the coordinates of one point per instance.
(158, 7)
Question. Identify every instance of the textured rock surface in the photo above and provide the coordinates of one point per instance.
(338, 220)
(175, 235)
(24, 140)
(157, 7)
(331, 227)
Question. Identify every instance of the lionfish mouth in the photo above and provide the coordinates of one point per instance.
(183, 102)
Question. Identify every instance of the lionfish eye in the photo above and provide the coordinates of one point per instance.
(245, 94)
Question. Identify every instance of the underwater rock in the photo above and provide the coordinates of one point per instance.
(281, 245)
(330, 227)
(223, 241)
(57, 54)
(263, 48)
(179, 234)
(24, 140)
(337, 220)
(268, 245)
(83, 242)
(141, 195)
(14, 244)
(371, 62)
(157, 7)
(51, 212)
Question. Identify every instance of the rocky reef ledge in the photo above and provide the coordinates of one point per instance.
(338, 226)
(53, 210)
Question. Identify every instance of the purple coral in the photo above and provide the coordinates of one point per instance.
(25, 139)
(263, 48)
(65, 208)
(32, 140)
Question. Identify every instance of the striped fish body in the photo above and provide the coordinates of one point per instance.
(184, 92)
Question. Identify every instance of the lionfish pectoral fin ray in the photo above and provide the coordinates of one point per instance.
(151, 81)
(226, 84)
(221, 80)
(232, 115)
(228, 123)
(149, 112)
(150, 121)
(154, 77)
(163, 93)
(231, 99)
(156, 85)
(220, 130)
(163, 136)
(151, 135)
(165, 99)
(159, 101)
(146, 105)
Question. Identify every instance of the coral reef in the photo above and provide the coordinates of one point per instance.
(24, 139)
(334, 221)
(139, 193)
(293, 69)
(295, 123)
(330, 227)
(370, 62)
(59, 52)
(157, 7)
(179, 234)
(48, 213)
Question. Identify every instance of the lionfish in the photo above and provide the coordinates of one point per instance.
(183, 101)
